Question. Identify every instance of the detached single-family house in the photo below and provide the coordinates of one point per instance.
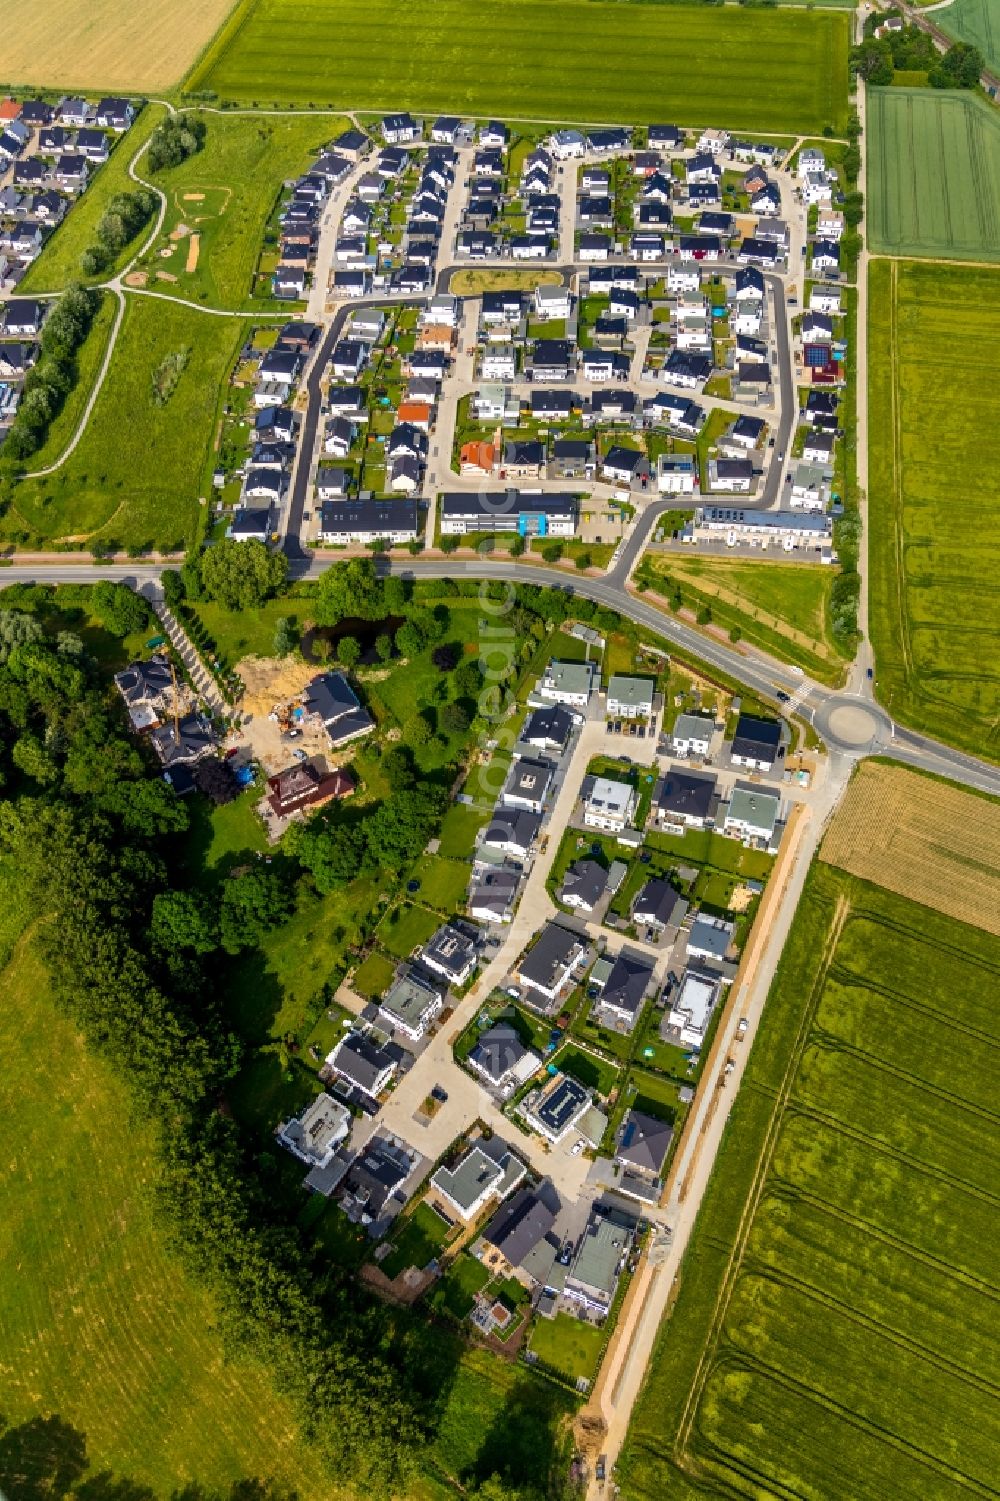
(752, 815)
(658, 905)
(550, 963)
(692, 1005)
(411, 1004)
(630, 697)
(624, 990)
(451, 953)
(502, 1058)
(363, 1064)
(692, 735)
(684, 801)
(570, 683)
(314, 1136)
(527, 784)
(488, 1170)
(584, 884)
(608, 804)
(331, 700)
(756, 743)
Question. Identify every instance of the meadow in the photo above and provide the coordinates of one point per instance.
(58, 266)
(848, 1230)
(934, 553)
(138, 472)
(88, 363)
(102, 45)
(225, 193)
(782, 608)
(976, 22)
(773, 70)
(933, 175)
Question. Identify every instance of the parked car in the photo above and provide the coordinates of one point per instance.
(741, 1029)
(602, 1468)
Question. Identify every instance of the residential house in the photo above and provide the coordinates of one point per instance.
(148, 690)
(592, 1279)
(691, 1006)
(314, 1136)
(399, 128)
(570, 683)
(730, 476)
(502, 1058)
(477, 458)
(787, 529)
(452, 953)
(527, 784)
(303, 786)
(488, 1170)
(756, 742)
(557, 1108)
(658, 905)
(523, 458)
(676, 474)
(630, 697)
(548, 729)
(752, 815)
(692, 735)
(21, 316)
(624, 990)
(492, 895)
(584, 884)
(608, 804)
(710, 938)
(512, 831)
(683, 801)
(573, 458)
(354, 520)
(643, 1143)
(363, 1064)
(411, 1004)
(331, 700)
(519, 1231)
(810, 486)
(818, 448)
(531, 513)
(625, 466)
(550, 964)
(373, 1184)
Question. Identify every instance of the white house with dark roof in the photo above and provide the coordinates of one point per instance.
(609, 804)
(527, 784)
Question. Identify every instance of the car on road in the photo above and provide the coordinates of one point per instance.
(741, 1028)
(601, 1471)
(783, 697)
(870, 673)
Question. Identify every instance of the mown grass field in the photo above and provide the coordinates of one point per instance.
(933, 174)
(782, 608)
(58, 266)
(976, 22)
(833, 1334)
(139, 470)
(238, 174)
(103, 45)
(933, 507)
(777, 70)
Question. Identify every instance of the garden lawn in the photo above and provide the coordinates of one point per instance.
(416, 1240)
(595, 1073)
(443, 883)
(99, 1321)
(406, 927)
(775, 71)
(459, 828)
(933, 174)
(933, 506)
(703, 847)
(782, 608)
(58, 266)
(568, 1344)
(136, 476)
(245, 633)
(844, 1234)
(456, 1292)
(239, 173)
(374, 976)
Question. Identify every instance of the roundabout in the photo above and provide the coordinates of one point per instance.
(853, 724)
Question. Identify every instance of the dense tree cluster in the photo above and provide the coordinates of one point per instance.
(125, 215)
(53, 376)
(913, 50)
(242, 575)
(173, 141)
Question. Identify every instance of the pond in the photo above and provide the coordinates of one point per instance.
(366, 632)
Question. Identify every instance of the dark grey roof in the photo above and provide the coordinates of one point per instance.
(549, 954)
(659, 903)
(331, 697)
(193, 737)
(644, 1141)
(379, 1170)
(562, 1104)
(755, 737)
(586, 881)
(627, 983)
(498, 1050)
(141, 681)
(360, 1061)
(553, 725)
(519, 1225)
(681, 792)
(450, 948)
(515, 825)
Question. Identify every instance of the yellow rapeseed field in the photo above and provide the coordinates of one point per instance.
(923, 839)
(103, 44)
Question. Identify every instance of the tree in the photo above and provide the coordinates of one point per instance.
(448, 544)
(517, 545)
(333, 854)
(468, 679)
(348, 651)
(242, 575)
(174, 140)
(704, 615)
(873, 61)
(959, 68)
(409, 640)
(252, 904)
(552, 552)
(31, 757)
(454, 719)
(118, 609)
(17, 629)
(184, 920)
(445, 658)
(350, 589)
(383, 647)
(285, 636)
(397, 763)
(582, 560)
(173, 587)
(400, 827)
(416, 730)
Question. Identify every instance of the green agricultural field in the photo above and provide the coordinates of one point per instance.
(778, 70)
(139, 470)
(976, 22)
(225, 194)
(782, 608)
(59, 263)
(933, 507)
(933, 175)
(846, 1233)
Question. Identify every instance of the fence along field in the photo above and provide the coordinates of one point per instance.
(103, 44)
(834, 1333)
(933, 175)
(933, 504)
(921, 839)
(772, 70)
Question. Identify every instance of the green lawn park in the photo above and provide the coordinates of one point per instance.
(845, 1235)
(933, 174)
(772, 71)
(137, 474)
(934, 555)
(238, 174)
